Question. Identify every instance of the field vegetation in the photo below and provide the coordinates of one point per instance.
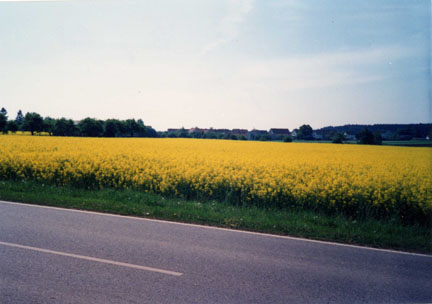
(358, 182)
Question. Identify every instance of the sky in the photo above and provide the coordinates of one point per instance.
(222, 64)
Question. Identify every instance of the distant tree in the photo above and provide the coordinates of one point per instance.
(4, 112)
(132, 127)
(233, 137)
(242, 137)
(48, 125)
(377, 138)
(64, 127)
(287, 139)
(305, 132)
(183, 133)
(122, 127)
(366, 137)
(150, 132)
(111, 127)
(60, 127)
(32, 122)
(12, 126)
(403, 134)
(90, 127)
(210, 135)
(338, 138)
(3, 122)
(197, 134)
(172, 134)
(19, 118)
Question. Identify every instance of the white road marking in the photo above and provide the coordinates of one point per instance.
(220, 228)
(83, 257)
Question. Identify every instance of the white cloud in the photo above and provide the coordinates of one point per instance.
(229, 27)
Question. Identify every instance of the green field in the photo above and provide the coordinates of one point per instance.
(409, 143)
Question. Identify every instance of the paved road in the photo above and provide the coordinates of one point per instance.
(50, 255)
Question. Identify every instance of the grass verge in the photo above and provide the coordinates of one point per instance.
(308, 224)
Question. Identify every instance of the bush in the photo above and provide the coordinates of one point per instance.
(287, 139)
(366, 137)
(338, 138)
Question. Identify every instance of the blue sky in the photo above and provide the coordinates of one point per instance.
(222, 64)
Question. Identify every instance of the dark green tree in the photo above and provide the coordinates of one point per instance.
(132, 127)
(111, 127)
(305, 132)
(197, 134)
(338, 138)
(4, 112)
(366, 137)
(183, 133)
(19, 118)
(377, 138)
(48, 125)
(3, 123)
(64, 127)
(12, 126)
(150, 132)
(210, 135)
(287, 139)
(90, 127)
(32, 122)
(71, 128)
(122, 127)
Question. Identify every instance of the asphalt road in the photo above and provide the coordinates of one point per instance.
(50, 255)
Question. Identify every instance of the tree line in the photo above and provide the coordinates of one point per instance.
(91, 127)
(88, 127)
(390, 131)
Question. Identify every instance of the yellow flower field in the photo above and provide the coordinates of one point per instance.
(356, 180)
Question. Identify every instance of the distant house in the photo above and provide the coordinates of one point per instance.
(317, 136)
(221, 131)
(279, 134)
(349, 136)
(387, 135)
(173, 130)
(240, 132)
(294, 134)
(197, 130)
(256, 134)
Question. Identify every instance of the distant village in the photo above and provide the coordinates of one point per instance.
(305, 132)
(272, 134)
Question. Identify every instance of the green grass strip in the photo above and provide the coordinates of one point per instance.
(307, 224)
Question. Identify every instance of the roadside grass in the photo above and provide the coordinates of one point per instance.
(298, 223)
